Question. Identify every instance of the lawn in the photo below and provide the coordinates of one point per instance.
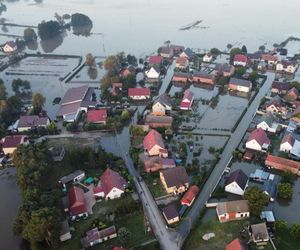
(286, 242)
(154, 184)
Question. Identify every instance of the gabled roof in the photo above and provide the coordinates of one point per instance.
(77, 203)
(267, 118)
(12, 141)
(138, 92)
(288, 138)
(286, 63)
(223, 67)
(281, 85)
(188, 95)
(240, 82)
(293, 91)
(281, 163)
(182, 60)
(181, 74)
(170, 212)
(240, 58)
(110, 179)
(239, 177)
(236, 244)
(164, 100)
(97, 115)
(269, 57)
(188, 52)
(203, 74)
(75, 94)
(155, 60)
(260, 136)
(190, 195)
(153, 138)
(166, 50)
(32, 121)
(240, 206)
(11, 44)
(175, 177)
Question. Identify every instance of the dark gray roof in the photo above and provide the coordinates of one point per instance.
(164, 99)
(175, 177)
(189, 52)
(281, 85)
(223, 67)
(240, 82)
(203, 74)
(239, 177)
(170, 212)
(181, 74)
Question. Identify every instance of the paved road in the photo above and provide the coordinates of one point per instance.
(217, 173)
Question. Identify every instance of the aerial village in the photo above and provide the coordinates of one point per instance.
(196, 137)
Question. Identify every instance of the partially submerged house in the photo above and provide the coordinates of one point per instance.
(9, 47)
(166, 52)
(286, 66)
(155, 60)
(259, 234)
(280, 88)
(292, 95)
(233, 210)
(187, 100)
(155, 121)
(241, 85)
(258, 140)
(188, 53)
(275, 106)
(268, 123)
(180, 77)
(207, 58)
(139, 93)
(31, 122)
(152, 74)
(237, 182)
(282, 164)
(162, 105)
(224, 69)
(202, 77)
(154, 164)
(154, 144)
(240, 60)
(76, 100)
(182, 63)
(175, 180)
(111, 185)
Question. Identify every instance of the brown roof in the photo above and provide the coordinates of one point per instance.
(75, 94)
(175, 177)
(240, 206)
(32, 121)
(289, 138)
(282, 163)
(236, 244)
(170, 212)
(153, 138)
(12, 141)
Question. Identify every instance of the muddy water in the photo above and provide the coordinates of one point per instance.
(140, 26)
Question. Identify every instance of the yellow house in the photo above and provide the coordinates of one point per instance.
(10, 143)
(175, 180)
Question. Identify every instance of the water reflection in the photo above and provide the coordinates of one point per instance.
(33, 45)
(82, 30)
(93, 73)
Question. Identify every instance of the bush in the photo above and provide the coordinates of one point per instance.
(48, 30)
(285, 190)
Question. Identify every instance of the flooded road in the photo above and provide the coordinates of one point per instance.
(141, 26)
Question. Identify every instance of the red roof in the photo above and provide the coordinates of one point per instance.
(187, 99)
(240, 58)
(151, 139)
(110, 179)
(97, 115)
(235, 245)
(12, 141)
(282, 163)
(76, 201)
(138, 92)
(155, 60)
(190, 195)
(248, 155)
(289, 138)
(182, 60)
(260, 136)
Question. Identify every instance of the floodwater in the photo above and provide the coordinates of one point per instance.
(141, 26)
(10, 201)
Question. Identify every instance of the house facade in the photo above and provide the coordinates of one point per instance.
(239, 85)
(154, 145)
(258, 140)
(282, 164)
(10, 143)
(187, 100)
(77, 203)
(180, 77)
(9, 47)
(280, 88)
(170, 214)
(203, 77)
(174, 180)
(182, 63)
(152, 74)
(232, 210)
(162, 105)
(29, 122)
(138, 94)
(207, 58)
(287, 143)
(285, 66)
(267, 123)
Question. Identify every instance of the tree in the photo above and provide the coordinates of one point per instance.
(3, 93)
(262, 48)
(79, 19)
(215, 51)
(130, 81)
(29, 35)
(38, 101)
(112, 65)
(281, 226)
(52, 128)
(244, 49)
(295, 231)
(131, 59)
(125, 115)
(229, 46)
(89, 60)
(124, 234)
(48, 30)
(233, 52)
(239, 71)
(256, 199)
(288, 177)
(253, 76)
(285, 190)
(295, 84)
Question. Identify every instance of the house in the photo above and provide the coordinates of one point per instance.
(236, 244)
(139, 93)
(152, 74)
(267, 216)
(203, 77)
(255, 57)
(30, 122)
(65, 232)
(76, 100)
(292, 95)
(74, 177)
(57, 153)
(9, 47)
(180, 77)
(77, 203)
(166, 52)
(170, 214)
(269, 58)
(95, 236)
(275, 106)
(240, 85)
(224, 69)
(207, 58)
(154, 145)
(268, 123)
(282, 164)
(182, 62)
(280, 88)
(188, 53)
(295, 151)
(258, 140)
(287, 143)
(10, 143)
(175, 180)
(97, 116)
(269, 188)
(259, 175)
(155, 60)
(240, 60)
(262, 65)
(155, 121)
(232, 210)
(187, 100)
(189, 197)
(260, 234)
(111, 185)
(177, 49)
(116, 88)
(287, 66)
(154, 164)
(237, 182)
(162, 105)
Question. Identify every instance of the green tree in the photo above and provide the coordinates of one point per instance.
(125, 115)
(3, 93)
(285, 190)
(253, 76)
(112, 65)
(90, 60)
(130, 81)
(281, 226)
(295, 231)
(215, 51)
(229, 46)
(48, 30)
(131, 59)
(256, 199)
(288, 177)
(29, 35)
(52, 128)
(244, 49)
(239, 71)
(38, 101)
(124, 234)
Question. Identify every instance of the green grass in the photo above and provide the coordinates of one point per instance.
(286, 242)
(154, 184)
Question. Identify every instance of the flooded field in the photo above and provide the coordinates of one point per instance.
(10, 201)
(130, 31)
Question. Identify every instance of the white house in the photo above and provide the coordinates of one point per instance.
(9, 47)
(267, 123)
(207, 58)
(287, 66)
(240, 85)
(287, 143)
(139, 93)
(162, 105)
(152, 74)
(28, 122)
(111, 185)
(237, 182)
(258, 140)
(232, 210)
